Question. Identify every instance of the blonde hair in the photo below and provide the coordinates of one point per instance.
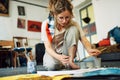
(58, 6)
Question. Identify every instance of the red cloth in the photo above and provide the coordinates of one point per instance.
(104, 42)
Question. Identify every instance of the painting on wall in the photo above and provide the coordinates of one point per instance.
(4, 7)
(34, 26)
(21, 23)
(89, 29)
(86, 30)
(21, 10)
(93, 28)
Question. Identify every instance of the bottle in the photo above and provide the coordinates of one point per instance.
(31, 63)
(31, 67)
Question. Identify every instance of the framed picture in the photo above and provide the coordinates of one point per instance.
(34, 26)
(93, 28)
(4, 7)
(86, 30)
(21, 23)
(21, 10)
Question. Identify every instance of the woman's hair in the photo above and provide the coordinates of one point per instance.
(58, 6)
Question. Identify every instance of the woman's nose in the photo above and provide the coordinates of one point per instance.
(64, 20)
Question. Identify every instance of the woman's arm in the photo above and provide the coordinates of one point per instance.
(88, 46)
(62, 58)
(86, 43)
(50, 50)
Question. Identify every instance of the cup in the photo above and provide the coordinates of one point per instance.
(67, 66)
(97, 62)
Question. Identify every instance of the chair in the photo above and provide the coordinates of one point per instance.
(19, 47)
(20, 41)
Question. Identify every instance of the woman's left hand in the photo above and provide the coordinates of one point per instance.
(94, 52)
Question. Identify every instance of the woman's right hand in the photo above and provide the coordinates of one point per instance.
(63, 59)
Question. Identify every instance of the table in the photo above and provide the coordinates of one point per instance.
(6, 58)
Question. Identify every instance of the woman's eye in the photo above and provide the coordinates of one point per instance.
(67, 17)
(61, 17)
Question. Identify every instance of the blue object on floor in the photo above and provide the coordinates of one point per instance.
(106, 71)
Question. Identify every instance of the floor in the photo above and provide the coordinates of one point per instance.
(15, 71)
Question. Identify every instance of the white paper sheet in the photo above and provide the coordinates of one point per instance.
(71, 72)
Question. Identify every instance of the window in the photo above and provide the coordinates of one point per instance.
(88, 23)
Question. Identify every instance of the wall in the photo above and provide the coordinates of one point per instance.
(8, 25)
(107, 15)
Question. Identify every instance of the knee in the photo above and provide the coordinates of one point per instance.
(49, 67)
(53, 67)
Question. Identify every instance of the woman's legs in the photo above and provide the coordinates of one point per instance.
(50, 63)
(71, 41)
(72, 54)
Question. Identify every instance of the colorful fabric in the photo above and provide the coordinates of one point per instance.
(58, 41)
(48, 29)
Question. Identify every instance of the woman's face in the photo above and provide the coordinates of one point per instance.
(63, 18)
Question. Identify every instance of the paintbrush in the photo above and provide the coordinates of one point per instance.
(91, 55)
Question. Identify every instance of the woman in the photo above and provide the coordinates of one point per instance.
(60, 35)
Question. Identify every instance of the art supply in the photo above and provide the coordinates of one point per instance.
(67, 66)
(91, 61)
(31, 67)
(31, 63)
(90, 55)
